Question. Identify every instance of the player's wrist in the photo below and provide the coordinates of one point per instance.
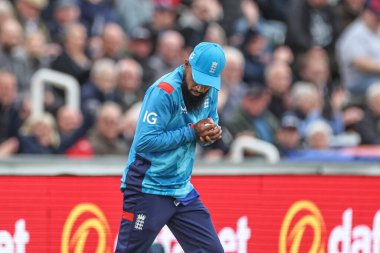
(190, 134)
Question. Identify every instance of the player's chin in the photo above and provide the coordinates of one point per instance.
(195, 93)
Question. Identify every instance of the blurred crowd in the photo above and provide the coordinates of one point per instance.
(301, 75)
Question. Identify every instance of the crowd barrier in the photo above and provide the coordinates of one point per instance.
(283, 208)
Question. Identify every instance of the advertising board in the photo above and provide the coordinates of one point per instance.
(251, 213)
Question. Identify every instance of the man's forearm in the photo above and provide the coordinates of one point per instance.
(165, 141)
(367, 65)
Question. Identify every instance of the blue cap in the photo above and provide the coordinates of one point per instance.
(207, 62)
(290, 120)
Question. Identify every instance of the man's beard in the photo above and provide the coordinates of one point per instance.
(193, 103)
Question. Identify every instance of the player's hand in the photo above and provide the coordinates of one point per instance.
(207, 131)
(215, 135)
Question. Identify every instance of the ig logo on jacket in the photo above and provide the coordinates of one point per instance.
(150, 117)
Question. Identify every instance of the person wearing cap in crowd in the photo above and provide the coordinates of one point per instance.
(65, 13)
(358, 51)
(252, 117)
(141, 47)
(179, 110)
(256, 54)
(288, 139)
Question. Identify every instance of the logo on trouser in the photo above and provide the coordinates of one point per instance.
(139, 223)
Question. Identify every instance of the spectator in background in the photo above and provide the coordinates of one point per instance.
(274, 9)
(12, 57)
(35, 49)
(317, 146)
(273, 31)
(68, 120)
(283, 53)
(311, 23)
(358, 51)
(314, 68)
(249, 20)
(101, 86)
(104, 138)
(256, 55)
(233, 87)
(95, 14)
(72, 129)
(346, 11)
(134, 13)
(307, 104)
(74, 59)
(193, 23)
(10, 110)
(318, 135)
(29, 15)
(141, 44)
(164, 18)
(129, 122)
(113, 43)
(39, 135)
(65, 13)
(6, 11)
(10, 105)
(369, 127)
(278, 80)
(215, 34)
(141, 48)
(253, 116)
(170, 53)
(129, 88)
(288, 138)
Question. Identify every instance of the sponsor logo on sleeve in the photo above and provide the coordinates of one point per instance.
(150, 117)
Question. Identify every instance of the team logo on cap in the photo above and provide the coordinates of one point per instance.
(214, 64)
(191, 55)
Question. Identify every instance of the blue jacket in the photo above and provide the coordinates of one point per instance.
(162, 154)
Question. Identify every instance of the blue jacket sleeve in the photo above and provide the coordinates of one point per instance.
(152, 133)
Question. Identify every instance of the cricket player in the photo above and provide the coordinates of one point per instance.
(179, 110)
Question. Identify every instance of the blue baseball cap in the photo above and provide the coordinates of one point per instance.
(207, 62)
